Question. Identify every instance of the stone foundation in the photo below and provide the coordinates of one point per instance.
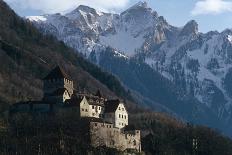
(105, 134)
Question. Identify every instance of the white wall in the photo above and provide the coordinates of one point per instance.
(87, 110)
(84, 108)
(121, 116)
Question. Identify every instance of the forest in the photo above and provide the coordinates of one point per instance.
(26, 56)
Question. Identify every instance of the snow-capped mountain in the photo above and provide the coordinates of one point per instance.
(199, 64)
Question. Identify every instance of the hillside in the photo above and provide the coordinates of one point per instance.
(26, 56)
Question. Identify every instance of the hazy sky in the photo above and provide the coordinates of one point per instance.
(210, 14)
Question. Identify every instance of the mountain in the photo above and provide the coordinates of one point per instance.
(174, 69)
(26, 56)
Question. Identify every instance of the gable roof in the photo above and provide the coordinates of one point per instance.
(111, 106)
(57, 73)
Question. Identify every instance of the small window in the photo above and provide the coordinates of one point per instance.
(95, 124)
(92, 107)
(134, 142)
(119, 116)
(119, 108)
(82, 109)
(86, 110)
(122, 109)
(122, 123)
(99, 108)
(125, 116)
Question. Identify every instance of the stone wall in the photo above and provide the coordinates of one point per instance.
(104, 134)
(68, 84)
(51, 85)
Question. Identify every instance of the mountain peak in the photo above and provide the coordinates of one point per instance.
(138, 6)
(142, 4)
(85, 9)
(190, 28)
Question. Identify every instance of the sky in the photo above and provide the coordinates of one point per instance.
(211, 15)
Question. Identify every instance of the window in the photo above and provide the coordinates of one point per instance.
(122, 123)
(82, 109)
(119, 108)
(99, 108)
(125, 116)
(119, 116)
(122, 109)
(93, 107)
(134, 142)
(86, 110)
(95, 124)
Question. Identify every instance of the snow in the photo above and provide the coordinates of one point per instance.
(128, 32)
(36, 18)
(123, 41)
(120, 54)
(229, 38)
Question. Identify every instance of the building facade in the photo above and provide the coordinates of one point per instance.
(109, 118)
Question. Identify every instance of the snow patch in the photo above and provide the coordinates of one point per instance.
(123, 41)
(229, 38)
(36, 18)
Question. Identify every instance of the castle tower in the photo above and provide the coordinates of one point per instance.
(57, 83)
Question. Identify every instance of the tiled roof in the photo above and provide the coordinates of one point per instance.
(111, 106)
(57, 73)
(94, 100)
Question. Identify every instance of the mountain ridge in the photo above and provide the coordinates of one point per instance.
(196, 63)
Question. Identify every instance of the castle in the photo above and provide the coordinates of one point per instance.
(109, 125)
